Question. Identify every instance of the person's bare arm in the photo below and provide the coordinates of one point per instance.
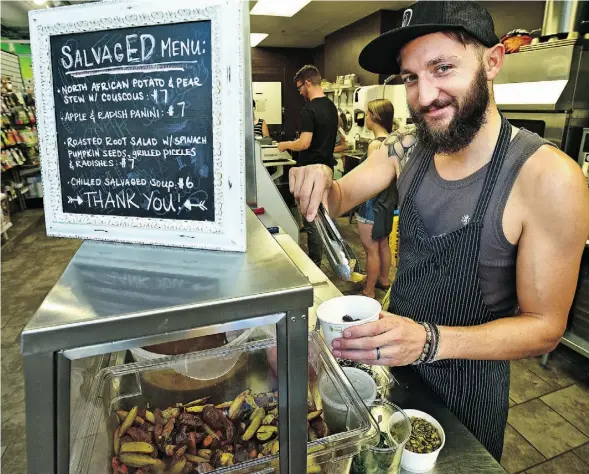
(555, 229)
(300, 144)
(265, 131)
(384, 163)
(341, 146)
(311, 184)
(363, 182)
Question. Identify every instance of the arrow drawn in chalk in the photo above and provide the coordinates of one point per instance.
(77, 199)
(189, 205)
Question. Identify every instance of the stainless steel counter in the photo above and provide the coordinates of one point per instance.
(462, 453)
(115, 291)
(117, 296)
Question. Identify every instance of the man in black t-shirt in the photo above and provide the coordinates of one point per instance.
(318, 134)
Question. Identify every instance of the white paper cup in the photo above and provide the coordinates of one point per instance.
(335, 409)
(331, 312)
(416, 462)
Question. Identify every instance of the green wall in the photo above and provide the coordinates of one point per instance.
(23, 50)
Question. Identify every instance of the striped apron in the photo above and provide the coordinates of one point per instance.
(437, 281)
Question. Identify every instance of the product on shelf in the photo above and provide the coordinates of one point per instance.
(35, 187)
(19, 132)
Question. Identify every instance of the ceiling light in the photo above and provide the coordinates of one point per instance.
(257, 38)
(39, 2)
(278, 7)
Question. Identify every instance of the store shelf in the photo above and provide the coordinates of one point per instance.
(11, 69)
(340, 88)
(30, 171)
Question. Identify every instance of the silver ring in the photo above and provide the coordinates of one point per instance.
(378, 353)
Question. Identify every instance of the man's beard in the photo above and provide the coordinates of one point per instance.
(467, 121)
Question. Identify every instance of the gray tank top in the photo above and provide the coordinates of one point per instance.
(444, 206)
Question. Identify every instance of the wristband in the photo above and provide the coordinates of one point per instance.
(435, 343)
(431, 346)
(426, 348)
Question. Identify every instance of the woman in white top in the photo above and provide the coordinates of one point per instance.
(340, 141)
(379, 120)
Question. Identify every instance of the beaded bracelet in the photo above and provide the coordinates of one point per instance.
(432, 344)
(435, 343)
(426, 348)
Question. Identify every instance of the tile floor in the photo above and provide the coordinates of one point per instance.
(548, 430)
(30, 267)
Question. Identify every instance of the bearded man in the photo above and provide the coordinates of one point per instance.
(493, 220)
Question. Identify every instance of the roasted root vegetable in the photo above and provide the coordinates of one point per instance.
(137, 447)
(204, 453)
(200, 401)
(141, 460)
(196, 459)
(118, 467)
(177, 466)
(139, 435)
(149, 416)
(117, 441)
(255, 422)
(314, 414)
(199, 436)
(266, 432)
(128, 421)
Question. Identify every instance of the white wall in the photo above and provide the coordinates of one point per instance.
(268, 97)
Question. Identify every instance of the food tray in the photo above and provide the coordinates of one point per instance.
(123, 387)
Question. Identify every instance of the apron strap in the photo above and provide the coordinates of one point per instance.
(426, 157)
(497, 160)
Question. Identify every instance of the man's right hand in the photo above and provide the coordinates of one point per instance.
(310, 184)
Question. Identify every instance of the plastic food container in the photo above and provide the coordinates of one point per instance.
(197, 369)
(335, 411)
(380, 374)
(395, 428)
(331, 312)
(123, 387)
(416, 462)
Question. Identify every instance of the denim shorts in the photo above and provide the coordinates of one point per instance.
(365, 212)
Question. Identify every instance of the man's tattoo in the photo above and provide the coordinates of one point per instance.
(401, 144)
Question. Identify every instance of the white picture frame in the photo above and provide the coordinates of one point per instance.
(230, 52)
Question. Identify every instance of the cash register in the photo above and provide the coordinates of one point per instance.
(274, 158)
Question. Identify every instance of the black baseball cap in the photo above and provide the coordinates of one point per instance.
(422, 18)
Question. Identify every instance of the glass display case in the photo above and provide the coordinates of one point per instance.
(116, 297)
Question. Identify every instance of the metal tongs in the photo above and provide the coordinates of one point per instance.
(340, 255)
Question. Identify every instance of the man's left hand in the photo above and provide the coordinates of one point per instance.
(282, 146)
(400, 340)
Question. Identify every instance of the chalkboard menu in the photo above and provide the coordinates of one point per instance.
(144, 119)
(133, 116)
